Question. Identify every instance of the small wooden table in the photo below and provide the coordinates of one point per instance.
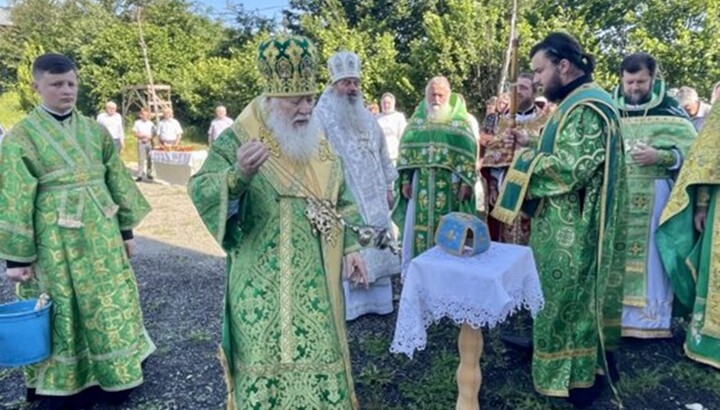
(176, 167)
(477, 291)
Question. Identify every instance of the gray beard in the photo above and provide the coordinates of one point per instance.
(298, 144)
(439, 114)
(351, 116)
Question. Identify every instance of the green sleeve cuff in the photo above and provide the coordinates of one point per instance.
(237, 182)
(666, 158)
(703, 197)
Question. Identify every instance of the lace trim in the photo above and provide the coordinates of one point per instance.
(409, 337)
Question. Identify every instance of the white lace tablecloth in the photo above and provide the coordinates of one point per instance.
(482, 290)
(191, 158)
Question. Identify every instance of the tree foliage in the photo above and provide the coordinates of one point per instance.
(402, 44)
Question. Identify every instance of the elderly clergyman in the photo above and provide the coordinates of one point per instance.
(357, 138)
(436, 165)
(258, 193)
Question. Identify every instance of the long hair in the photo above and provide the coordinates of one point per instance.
(561, 46)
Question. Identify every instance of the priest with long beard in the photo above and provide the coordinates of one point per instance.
(270, 192)
(436, 165)
(357, 138)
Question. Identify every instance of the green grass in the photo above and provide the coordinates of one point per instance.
(200, 337)
(641, 383)
(437, 384)
(693, 374)
(655, 374)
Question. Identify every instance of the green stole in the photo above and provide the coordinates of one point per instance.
(661, 124)
(324, 166)
(435, 149)
(511, 200)
(448, 145)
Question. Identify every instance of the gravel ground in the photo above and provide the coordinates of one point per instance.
(180, 273)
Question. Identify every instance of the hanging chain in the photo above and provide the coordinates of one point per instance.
(323, 217)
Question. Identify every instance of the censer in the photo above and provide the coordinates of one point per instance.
(322, 217)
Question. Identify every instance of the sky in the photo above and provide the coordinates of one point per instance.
(268, 8)
(265, 7)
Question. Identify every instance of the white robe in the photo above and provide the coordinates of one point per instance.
(392, 124)
(369, 172)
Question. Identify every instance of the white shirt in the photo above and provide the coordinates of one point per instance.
(392, 124)
(474, 126)
(113, 123)
(144, 128)
(217, 126)
(169, 130)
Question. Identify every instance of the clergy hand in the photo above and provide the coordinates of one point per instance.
(355, 271)
(250, 156)
(492, 191)
(390, 198)
(485, 138)
(512, 137)
(644, 155)
(700, 218)
(465, 192)
(406, 190)
(23, 274)
(130, 248)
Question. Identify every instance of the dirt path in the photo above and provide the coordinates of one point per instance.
(173, 222)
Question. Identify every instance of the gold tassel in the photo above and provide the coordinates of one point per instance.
(227, 375)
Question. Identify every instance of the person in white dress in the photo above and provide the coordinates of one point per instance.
(392, 124)
(356, 137)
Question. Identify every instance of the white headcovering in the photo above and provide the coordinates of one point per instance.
(344, 64)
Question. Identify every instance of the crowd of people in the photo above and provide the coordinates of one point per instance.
(615, 192)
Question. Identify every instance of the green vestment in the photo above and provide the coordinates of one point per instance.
(431, 153)
(572, 187)
(663, 125)
(284, 341)
(691, 258)
(64, 198)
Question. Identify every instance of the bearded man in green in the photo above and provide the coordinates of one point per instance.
(572, 186)
(436, 164)
(67, 210)
(688, 239)
(657, 135)
(269, 193)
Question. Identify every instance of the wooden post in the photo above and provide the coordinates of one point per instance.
(469, 375)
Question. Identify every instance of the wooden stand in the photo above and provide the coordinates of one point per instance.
(469, 375)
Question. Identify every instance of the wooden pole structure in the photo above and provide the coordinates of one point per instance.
(508, 53)
(148, 71)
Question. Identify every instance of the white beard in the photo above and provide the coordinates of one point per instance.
(296, 143)
(438, 113)
(351, 116)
